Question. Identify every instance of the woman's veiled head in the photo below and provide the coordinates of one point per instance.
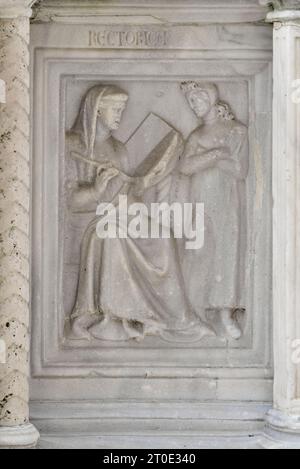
(103, 103)
(111, 106)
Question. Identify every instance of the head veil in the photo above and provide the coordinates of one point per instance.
(86, 122)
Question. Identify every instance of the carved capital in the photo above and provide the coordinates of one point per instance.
(282, 10)
(15, 8)
(281, 4)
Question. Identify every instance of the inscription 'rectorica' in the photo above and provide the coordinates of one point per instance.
(143, 38)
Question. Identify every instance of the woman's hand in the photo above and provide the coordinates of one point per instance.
(105, 165)
(206, 160)
(104, 175)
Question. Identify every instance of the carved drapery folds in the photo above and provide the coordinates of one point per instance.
(173, 308)
(14, 216)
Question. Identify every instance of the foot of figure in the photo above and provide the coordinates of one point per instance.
(207, 331)
(231, 325)
(116, 330)
(80, 326)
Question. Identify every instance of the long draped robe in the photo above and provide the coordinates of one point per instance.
(221, 188)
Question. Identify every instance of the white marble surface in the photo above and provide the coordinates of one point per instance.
(150, 12)
(237, 58)
(18, 437)
(245, 74)
(216, 383)
(286, 232)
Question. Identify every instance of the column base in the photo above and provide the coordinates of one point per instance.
(23, 436)
(282, 431)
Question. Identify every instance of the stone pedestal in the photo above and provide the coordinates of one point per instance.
(15, 429)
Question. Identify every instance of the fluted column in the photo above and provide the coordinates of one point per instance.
(284, 419)
(15, 429)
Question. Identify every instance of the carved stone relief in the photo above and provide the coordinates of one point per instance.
(129, 288)
(281, 4)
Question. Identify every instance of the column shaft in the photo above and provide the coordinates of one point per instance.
(286, 193)
(14, 221)
(284, 418)
(15, 429)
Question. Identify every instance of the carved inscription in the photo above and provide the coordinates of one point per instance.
(136, 39)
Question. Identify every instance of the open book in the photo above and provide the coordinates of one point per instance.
(150, 133)
(154, 151)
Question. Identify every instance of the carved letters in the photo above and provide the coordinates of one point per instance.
(128, 39)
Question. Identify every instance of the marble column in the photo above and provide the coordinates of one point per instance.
(284, 419)
(15, 429)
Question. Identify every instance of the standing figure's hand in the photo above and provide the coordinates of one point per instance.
(222, 153)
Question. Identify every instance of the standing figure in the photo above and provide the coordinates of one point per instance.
(216, 159)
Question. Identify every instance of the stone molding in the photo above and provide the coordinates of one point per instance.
(22, 437)
(155, 11)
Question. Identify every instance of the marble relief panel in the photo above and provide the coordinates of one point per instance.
(160, 131)
(156, 143)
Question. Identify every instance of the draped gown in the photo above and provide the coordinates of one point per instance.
(129, 288)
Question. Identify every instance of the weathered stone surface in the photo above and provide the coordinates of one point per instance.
(148, 11)
(281, 4)
(115, 49)
(14, 222)
(15, 8)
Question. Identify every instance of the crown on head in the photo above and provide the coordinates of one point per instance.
(188, 86)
